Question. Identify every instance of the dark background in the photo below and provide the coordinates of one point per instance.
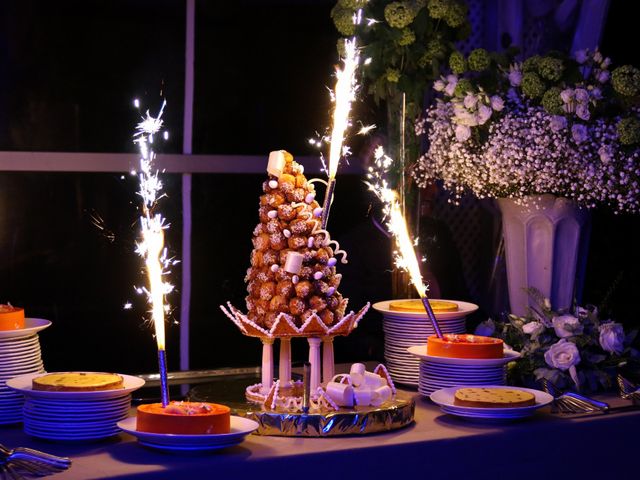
(69, 70)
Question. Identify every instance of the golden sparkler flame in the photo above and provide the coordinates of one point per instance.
(152, 225)
(343, 95)
(405, 255)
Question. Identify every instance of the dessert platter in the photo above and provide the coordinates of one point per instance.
(461, 360)
(405, 323)
(75, 406)
(493, 403)
(292, 286)
(235, 431)
(19, 354)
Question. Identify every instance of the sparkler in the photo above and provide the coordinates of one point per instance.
(151, 248)
(405, 255)
(343, 95)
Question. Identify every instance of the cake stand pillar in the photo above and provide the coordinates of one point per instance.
(328, 368)
(267, 364)
(314, 360)
(285, 362)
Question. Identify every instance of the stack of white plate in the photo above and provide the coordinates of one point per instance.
(442, 372)
(74, 416)
(405, 329)
(19, 355)
(445, 398)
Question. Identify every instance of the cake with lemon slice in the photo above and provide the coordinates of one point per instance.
(11, 318)
(416, 306)
(493, 397)
(454, 345)
(78, 382)
(184, 418)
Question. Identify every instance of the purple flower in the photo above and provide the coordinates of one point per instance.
(515, 76)
(582, 96)
(558, 122)
(606, 153)
(603, 76)
(597, 57)
(497, 103)
(463, 133)
(438, 85)
(579, 133)
(470, 101)
(581, 56)
(582, 111)
(452, 81)
(596, 93)
(606, 62)
(567, 95)
(484, 113)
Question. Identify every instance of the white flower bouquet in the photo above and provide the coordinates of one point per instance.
(572, 350)
(568, 127)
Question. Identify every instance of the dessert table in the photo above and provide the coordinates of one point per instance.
(435, 446)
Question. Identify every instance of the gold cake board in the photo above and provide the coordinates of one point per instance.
(392, 415)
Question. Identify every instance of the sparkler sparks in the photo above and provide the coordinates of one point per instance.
(151, 248)
(405, 255)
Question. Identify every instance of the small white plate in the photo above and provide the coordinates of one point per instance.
(240, 428)
(464, 309)
(31, 326)
(420, 351)
(445, 398)
(24, 384)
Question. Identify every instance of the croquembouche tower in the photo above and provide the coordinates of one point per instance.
(292, 282)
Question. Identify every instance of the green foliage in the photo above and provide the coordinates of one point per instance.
(626, 80)
(479, 60)
(552, 102)
(457, 62)
(532, 85)
(550, 68)
(629, 131)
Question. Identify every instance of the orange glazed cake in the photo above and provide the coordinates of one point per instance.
(464, 346)
(78, 382)
(493, 398)
(11, 318)
(186, 418)
(416, 305)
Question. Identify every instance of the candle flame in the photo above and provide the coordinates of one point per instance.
(152, 226)
(343, 95)
(405, 255)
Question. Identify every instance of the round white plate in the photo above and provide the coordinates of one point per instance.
(240, 428)
(464, 309)
(19, 341)
(23, 384)
(31, 326)
(79, 405)
(420, 351)
(445, 398)
(71, 437)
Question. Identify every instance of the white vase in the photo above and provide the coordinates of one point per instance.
(546, 244)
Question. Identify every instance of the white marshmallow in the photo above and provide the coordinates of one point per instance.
(276, 163)
(293, 262)
(374, 380)
(341, 393)
(381, 395)
(357, 374)
(363, 396)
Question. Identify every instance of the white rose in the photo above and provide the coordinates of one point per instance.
(533, 328)
(612, 337)
(562, 355)
(566, 326)
(486, 328)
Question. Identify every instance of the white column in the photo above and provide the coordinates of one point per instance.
(328, 369)
(285, 362)
(267, 364)
(314, 360)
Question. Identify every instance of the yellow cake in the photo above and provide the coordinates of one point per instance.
(416, 305)
(78, 382)
(493, 398)
(185, 418)
(11, 318)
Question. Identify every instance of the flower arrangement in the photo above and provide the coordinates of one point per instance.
(572, 350)
(405, 46)
(551, 124)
